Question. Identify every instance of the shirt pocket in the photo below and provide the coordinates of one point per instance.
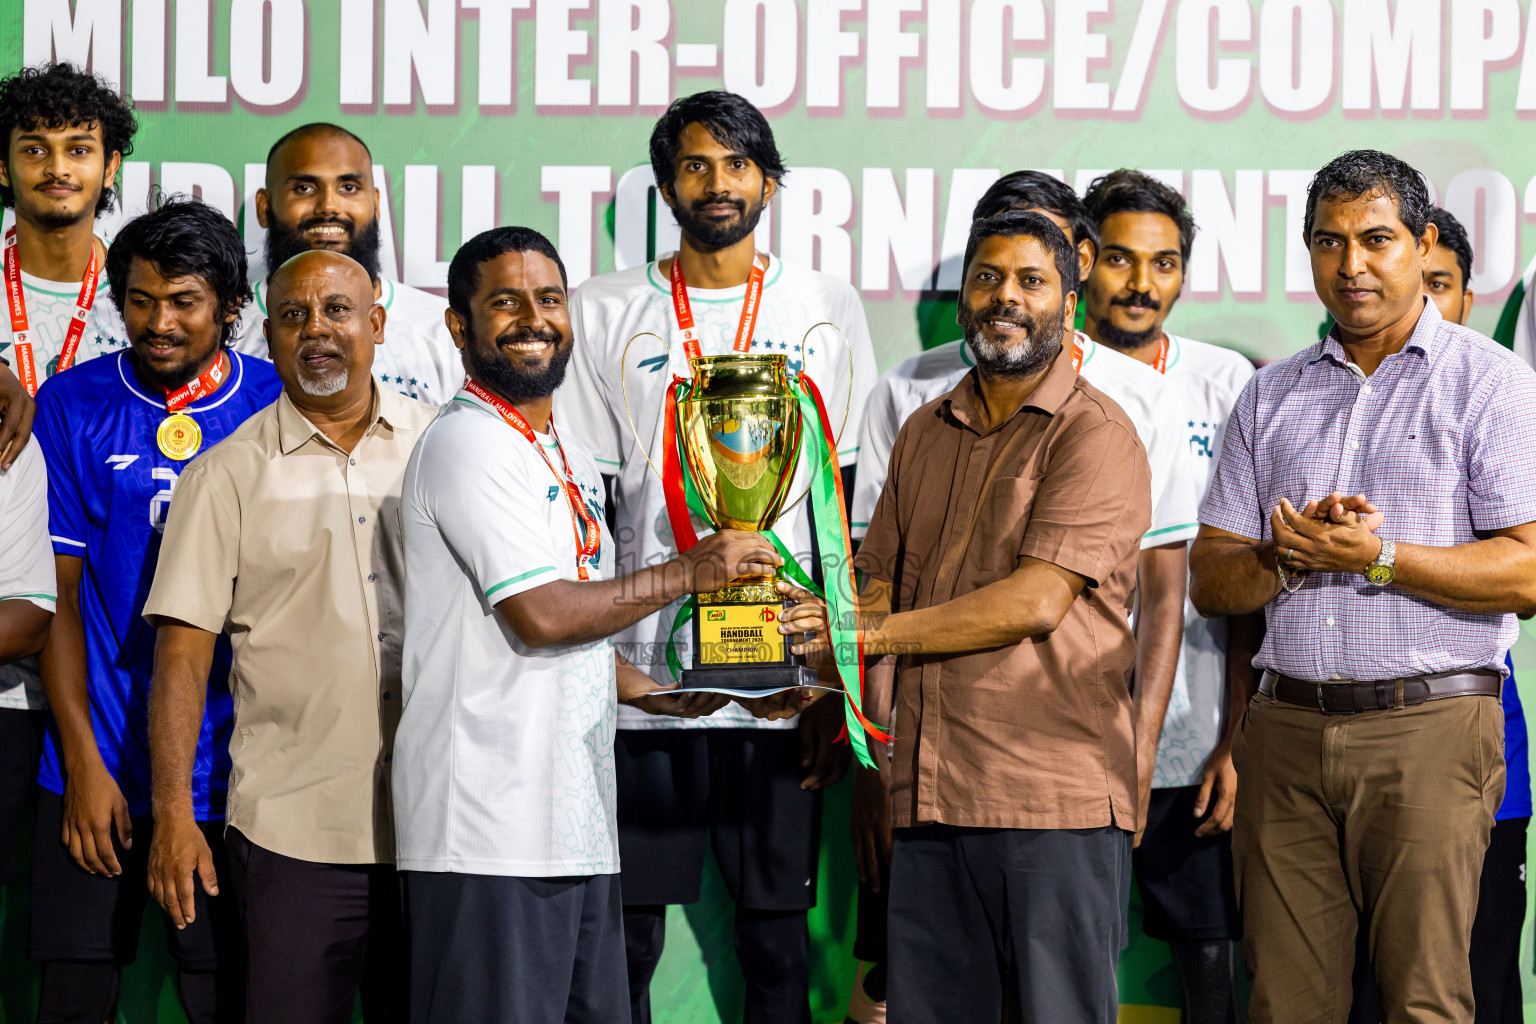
(998, 533)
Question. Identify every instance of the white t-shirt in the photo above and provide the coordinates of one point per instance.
(1210, 378)
(1524, 340)
(1149, 400)
(503, 761)
(606, 312)
(26, 564)
(418, 357)
(50, 307)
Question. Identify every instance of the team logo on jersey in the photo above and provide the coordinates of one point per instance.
(118, 462)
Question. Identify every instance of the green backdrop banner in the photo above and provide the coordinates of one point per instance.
(893, 115)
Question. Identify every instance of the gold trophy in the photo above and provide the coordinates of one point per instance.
(739, 434)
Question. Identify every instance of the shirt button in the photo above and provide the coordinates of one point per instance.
(1355, 445)
(1330, 622)
(381, 635)
(371, 577)
(364, 519)
(353, 462)
(1367, 389)
(386, 696)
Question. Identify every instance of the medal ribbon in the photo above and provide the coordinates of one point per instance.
(206, 384)
(26, 366)
(586, 544)
(749, 309)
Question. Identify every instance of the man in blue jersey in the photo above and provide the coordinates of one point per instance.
(115, 432)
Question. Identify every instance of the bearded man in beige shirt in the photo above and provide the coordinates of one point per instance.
(287, 537)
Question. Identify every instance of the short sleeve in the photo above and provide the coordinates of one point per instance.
(1501, 454)
(1093, 503)
(494, 516)
(26, 559)
(200, 552)
(876, 440)
(882, 541)
(66, 507)
(1232, 504)
(1175, 501)
(581, 405)
(855, 326)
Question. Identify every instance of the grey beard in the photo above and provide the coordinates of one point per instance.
(1019, 360)
(323, 387)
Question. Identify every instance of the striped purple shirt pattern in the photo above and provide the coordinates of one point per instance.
(1442, 438)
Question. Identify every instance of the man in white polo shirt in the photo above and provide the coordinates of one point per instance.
(1149, 402)
(1183, 866)
(319, 194)
(28, 596)
(504, 767)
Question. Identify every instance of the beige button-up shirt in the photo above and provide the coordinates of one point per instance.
(293, 547)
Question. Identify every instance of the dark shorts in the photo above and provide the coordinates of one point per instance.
(21, 740)
(735, 790)
(1185, 881)
(80, 916)
(531, 950)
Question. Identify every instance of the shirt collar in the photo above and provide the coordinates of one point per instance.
(294, 429)
(1420, 341)
(964, 403)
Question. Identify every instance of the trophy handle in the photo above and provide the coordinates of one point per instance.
(847, 401)
(623, 390)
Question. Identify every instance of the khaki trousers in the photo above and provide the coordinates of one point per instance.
(1381, 816)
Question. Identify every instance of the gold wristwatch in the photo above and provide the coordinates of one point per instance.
(1382, 572)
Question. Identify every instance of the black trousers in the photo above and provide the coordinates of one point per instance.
(21, 737)
(1496, 931)
(735, 792)
(318, 935)
(508, 950)
(1028, 919)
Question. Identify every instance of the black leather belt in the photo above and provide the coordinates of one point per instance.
(1347, 697)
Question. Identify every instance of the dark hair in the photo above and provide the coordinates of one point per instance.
(1013, 223)
(1369, 172)
(464, 270)
(730, 119)
(316, 128)
(1128, 191)
(1454, 237)
(56, 96)
(184, 237)
(1022, 189)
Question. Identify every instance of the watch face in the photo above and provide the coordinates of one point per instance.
(1379, 575)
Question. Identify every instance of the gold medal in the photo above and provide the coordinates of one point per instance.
(179, 437)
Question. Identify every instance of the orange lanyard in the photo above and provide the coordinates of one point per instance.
(750, 305)
(1161, 365)
(25, 365)
(206, 384)
(586, 545)
(1077, 354)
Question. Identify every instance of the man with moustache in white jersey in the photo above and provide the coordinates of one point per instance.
(1149, 402)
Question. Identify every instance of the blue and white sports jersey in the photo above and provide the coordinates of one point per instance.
(109, 487)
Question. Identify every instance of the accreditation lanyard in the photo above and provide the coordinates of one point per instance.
(586, 546)
(206, 384)
(17, 302)
(749, 307)
(1161, 363)
(1077, 354)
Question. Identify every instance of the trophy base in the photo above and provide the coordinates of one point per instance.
(748, 677)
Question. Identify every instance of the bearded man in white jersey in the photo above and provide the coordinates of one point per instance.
(1149, 402)
(750, 785)
(1183, 866)
(320, 194)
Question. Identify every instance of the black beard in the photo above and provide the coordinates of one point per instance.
(1044, 341)
(164, 381)
(1127, 341)
(712, 235)
(507, 380)
(283, 244)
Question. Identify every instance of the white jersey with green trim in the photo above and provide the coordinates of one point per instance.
(1149, 400)
(1210, 378)
(610, 310)
(26, 565)
(50, 308)
(1524, 339)
(418, 357)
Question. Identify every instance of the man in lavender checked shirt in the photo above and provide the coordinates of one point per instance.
(1376, 496)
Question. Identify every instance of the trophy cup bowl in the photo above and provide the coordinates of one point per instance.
(739, 432)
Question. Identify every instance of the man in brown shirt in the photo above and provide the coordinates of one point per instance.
(287, 537)
(1002, 557)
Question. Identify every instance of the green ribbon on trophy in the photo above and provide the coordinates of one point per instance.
(732, 440)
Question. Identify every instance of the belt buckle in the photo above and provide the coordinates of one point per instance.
(1323, 707)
